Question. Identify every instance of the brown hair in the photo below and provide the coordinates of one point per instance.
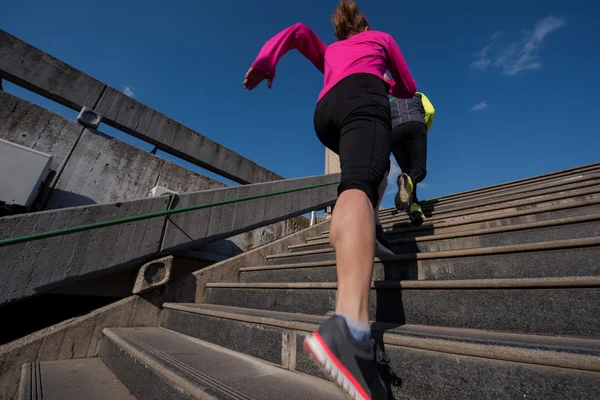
(347, 20)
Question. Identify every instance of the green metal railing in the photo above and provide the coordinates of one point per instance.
(134, 218)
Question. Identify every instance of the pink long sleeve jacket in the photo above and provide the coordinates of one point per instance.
(371, 52)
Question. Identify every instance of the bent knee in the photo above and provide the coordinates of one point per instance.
(369, 187)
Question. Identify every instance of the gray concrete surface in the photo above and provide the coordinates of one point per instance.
(39, 266)
(129, 115)
(80, 379)
(104, 170)
(575, 261)
(242, 242)
(36, 128)
(159, 364)
(41, 73)
(100, 169)
(543, 311)
(518, 359)
(201, 226)
(228, 270)
(77, 338)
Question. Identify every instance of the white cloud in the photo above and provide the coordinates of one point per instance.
(128, 92)
(519, 56)
(422, 185)
(479, 106)
(483, 61)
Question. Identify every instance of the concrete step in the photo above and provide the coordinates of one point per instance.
(498, 210)
(438, 207)
(429, 360)
(586, 205)
(563, 208)
(556, 229)
(82, 379)
(514, 187)
(158, 364)
(546, 306)
(561, 258)
(557, 198)
(522, 183)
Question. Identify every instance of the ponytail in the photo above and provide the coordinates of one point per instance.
(347, 20)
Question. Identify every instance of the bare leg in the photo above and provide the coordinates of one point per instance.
(353, 237)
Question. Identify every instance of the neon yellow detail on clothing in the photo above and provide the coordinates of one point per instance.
(429, 110)
(409, 187)
(415, 207)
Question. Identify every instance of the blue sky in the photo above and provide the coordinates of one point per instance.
(514, 83)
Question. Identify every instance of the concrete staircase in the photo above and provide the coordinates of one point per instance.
(496, 296)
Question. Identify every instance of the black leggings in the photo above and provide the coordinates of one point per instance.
(409, 145)
(353, 120)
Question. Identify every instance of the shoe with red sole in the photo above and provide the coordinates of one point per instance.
(354, 366)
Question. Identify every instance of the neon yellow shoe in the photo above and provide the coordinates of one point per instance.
(405, 192)
(416, 215)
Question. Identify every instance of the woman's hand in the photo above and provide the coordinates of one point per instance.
(254, 77)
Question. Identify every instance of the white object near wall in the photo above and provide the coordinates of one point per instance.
(160, 191)
(22, 172)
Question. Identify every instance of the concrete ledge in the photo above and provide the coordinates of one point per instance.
(41, 73)
(198, 227)
(39, 266)
(131, 116)
(43, 265)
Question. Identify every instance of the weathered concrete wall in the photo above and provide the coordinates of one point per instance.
(40, 266)
(105, 170)
(33, 69)
(47, 264)
(131, 116)
(98, 169)
(238, 244)
(39, 72)
(119, 284)
(31, 126)
(82, 336)
(206, 225)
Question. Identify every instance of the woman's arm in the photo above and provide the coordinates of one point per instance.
(297, 36)
(402, 85)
